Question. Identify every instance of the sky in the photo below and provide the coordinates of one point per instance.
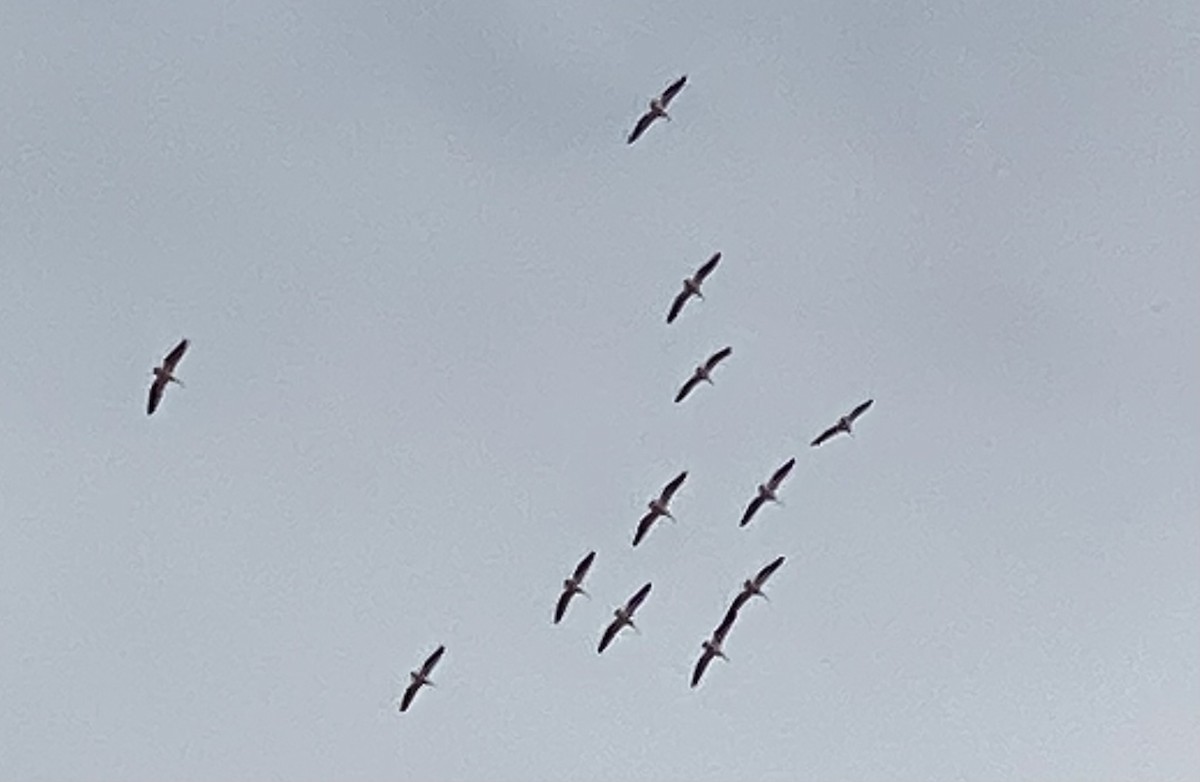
(425, 282)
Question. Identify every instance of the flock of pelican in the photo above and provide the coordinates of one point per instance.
(658, 506)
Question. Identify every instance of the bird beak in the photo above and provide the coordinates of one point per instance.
(584, 593)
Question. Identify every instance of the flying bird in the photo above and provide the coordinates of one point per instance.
(713, 647)
(754, 586)
(844, 423)
(623, 617)
(163, 374)
(421, 677)
(658, 108)
(659, 506)
(767, 492)
(691, 287)
(702, 373)
(573, 586)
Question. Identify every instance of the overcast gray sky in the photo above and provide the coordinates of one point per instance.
(425, 282)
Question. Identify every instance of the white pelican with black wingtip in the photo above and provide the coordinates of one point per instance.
(703, 373)
(658, 108)
(164, 374)
(754, 586)
(691, 287)
(623, 617)
(573, 585)
(844, 423)
(714, 647)
(767, 492)
(659, 507)
(420, 677)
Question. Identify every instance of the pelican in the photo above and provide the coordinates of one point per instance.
(844, 423)
(754, 586)
(421, 677)
(767, 492)
(658, 108)
(573, 586)
(659, 506)
(702, 373)
(691, 287)
(623, 617)
(165, 374)
(713, 646)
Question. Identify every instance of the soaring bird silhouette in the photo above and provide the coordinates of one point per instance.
(658, 108)
(421, 677)
(767, 492)
(573, 586)
(691, 287)
(163, 374)
(844, 423)
(659, 506)
(702, 373)
(754, 586)
(623, 617)
(713, 647)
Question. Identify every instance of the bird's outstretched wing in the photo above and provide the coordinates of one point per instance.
(584, 566)
(686, 388)
(644, 526)
(409, 694)
(823, 436)
(669, 490)
(751, 509)
(156, 392)
(781, 473)
(432, 661)
(765, 573)
(856, 412)
(563, 601)
(707, 268)
(739, 600)
(640, 127)
(671, 91)
(726, 624)
(610, 632)
(701, 666)
(677, 305)
(717, 358)
(638, 598)
(176, 353)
